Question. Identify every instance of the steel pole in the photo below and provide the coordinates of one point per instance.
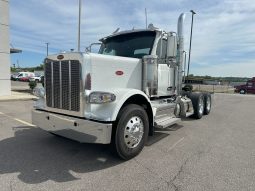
(79, 28)
(146, 25)
(47, 48)
(191, 29)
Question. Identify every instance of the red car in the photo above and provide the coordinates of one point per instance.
(24, 79)
(249, 87)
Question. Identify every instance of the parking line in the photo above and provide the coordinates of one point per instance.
(19, 120)
(24, 122)
(175, 144)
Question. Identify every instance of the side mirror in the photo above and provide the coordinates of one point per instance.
(88, 49)
(171, 46)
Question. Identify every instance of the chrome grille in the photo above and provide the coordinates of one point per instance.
(62, 83)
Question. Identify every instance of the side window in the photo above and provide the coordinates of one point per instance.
(161, 51)
(249, 84)
(139, 53)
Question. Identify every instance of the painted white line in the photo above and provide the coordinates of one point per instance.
(19, 120)
(175, 144)
(24, 122)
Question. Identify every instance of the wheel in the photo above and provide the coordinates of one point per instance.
(130, 132)
(37, 81)
(198, 104)
(242, 91)
(207, 103)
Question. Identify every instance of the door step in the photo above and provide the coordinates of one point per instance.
(166, 122)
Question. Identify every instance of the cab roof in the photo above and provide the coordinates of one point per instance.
(128, 32)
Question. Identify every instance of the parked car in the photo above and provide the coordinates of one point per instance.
(24, 76)
(249, 87)
(14, 76)
(37, 78)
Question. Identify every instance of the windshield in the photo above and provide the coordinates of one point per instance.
(133, 45)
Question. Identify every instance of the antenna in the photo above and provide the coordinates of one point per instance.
(146, 18)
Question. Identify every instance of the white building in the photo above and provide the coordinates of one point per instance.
(5, 84)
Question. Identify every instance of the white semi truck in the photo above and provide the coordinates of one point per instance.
(120, 95)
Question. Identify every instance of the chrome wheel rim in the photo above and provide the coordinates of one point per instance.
(201, 106)
(133, 132)
(208, 103)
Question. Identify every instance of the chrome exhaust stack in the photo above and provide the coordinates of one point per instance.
(180, 51)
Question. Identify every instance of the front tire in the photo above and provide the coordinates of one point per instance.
(242, 91)
(130, 131)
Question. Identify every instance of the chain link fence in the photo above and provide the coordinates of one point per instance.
(213, 88)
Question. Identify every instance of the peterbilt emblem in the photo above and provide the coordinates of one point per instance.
(60, 57)
(119, 73)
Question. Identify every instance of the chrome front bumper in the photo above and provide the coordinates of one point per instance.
(81, 130)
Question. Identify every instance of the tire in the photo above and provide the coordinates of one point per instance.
(242, 91)
(198, 105)
(207, 103)
(37, 81)
(130, 132)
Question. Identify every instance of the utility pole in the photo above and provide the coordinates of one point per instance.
(18, 63)
(146, 25)
(79, 28)
(47, 48)
(193, 13)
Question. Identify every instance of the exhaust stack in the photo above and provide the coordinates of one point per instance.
(180, 51)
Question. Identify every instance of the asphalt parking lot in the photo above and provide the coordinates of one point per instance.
(214, 153)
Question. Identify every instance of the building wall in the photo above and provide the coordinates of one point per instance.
(5, 84)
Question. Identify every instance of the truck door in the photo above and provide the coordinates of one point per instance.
(250, 87)
(165, 74)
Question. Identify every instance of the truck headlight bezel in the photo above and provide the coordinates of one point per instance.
(101, 97)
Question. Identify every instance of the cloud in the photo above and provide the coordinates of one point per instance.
(223, 33)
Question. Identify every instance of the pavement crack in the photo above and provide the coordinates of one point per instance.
(181, 169)
(169, 183)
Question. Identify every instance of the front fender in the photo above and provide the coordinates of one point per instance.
(109, 111)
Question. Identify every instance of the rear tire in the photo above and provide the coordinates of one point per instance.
(207, 103)
(242, 91)
(130, 132)
(198, 104)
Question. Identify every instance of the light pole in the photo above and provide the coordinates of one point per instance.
(193, 13)
(146, 26)
(47, 48)
(79, 28)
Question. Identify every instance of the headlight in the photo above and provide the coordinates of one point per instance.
(101, 97)
(39, 92)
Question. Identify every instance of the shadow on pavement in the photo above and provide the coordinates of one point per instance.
(39, 156)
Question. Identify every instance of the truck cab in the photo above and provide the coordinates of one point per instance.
(120, 95)
(249, 87)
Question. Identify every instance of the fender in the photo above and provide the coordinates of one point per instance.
(109, 111)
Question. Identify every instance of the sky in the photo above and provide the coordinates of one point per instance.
(223, 42)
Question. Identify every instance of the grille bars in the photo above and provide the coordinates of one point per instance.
(63, 85)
